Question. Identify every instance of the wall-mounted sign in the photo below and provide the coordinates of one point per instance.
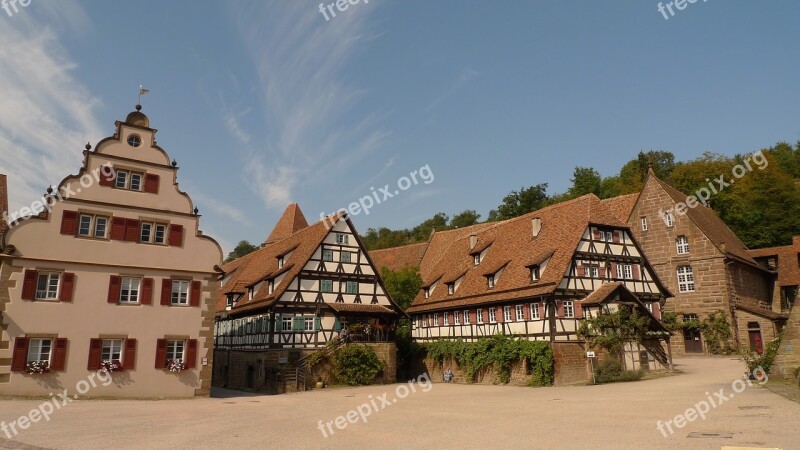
(590, 354)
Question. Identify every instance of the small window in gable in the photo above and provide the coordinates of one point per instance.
(477, 258)
(451, 288)
(341, 238)
(280, 262)
(535, 272)
(427, 292)
(490, 280)
(644, 223)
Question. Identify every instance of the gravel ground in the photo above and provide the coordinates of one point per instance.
(435, 416)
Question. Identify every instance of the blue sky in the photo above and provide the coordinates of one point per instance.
(265, 102)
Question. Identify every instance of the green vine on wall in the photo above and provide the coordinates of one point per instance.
(715, 328)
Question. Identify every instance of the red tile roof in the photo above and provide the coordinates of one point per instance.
(763, 312)
(514, 247)
(621, 206)
(397, 258)
(360, 308)
(788, 265)
(290, 223)
(601, 294)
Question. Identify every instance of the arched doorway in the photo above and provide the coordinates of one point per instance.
(756, 340)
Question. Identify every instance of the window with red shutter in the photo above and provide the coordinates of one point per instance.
(69, 223)
(581, 271)
(29, 285)
(191, 354)
(161, 353)
(59, 359)
(613, 270)
(114, 286)
(194, 295)
(106, 180)
(578, 310)
(166, 292)
(118, 228)
(147, 291)
(151, 183)
(637, 273)
(132, 230)
(129, 356)
(176, 235)
(67, 287)
(617, 236)
(20, 358)
(95, 352)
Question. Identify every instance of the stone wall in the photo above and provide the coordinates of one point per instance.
(788, 358)
(435, 370)
(572, 365)
(768, 329)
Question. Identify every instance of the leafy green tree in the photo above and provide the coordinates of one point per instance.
(691, 175)
(585, 180)
(634, 172)
(243, 248)
(465, 219)
(521, 202)
(403, 285)
(423, 231)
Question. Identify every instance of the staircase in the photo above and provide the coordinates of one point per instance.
(297, 375)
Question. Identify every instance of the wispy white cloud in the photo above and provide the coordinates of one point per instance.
(226, 210)
(46, 114)
(307, 102)
(466, 75)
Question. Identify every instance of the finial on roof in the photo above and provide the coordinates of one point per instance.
(49, 190)
(138, 107)
(174, 163)
(88, 146)
(196, 210)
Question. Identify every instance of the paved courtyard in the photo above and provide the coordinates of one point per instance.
(446, 416)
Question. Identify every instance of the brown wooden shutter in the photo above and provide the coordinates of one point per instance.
(95, 353)
(118, 228)
(614, 270)
(114, 287)
(67, 287)
(147, 291)
(166, 291)
(526, 312)
(132, 230)
(161, 353)
(617, 236)
(106, 180)
(194, 295)
(29, 285)
(129, 358)
(637, 275)
(473, 317)
(542, 310)
(69, 223)
(560, 311)
(20, 358)
(657, 310)
(596, 234)
(581, 271)
(578, 310)
(191, 354)
(176, 235)
(59, 361)
(151, 183)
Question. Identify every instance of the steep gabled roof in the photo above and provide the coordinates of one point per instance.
(514, 248)
(621, 206)
(788, 261)
(290, 223)
(396, 258)
(617, 292)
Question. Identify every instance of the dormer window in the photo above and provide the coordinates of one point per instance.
(477, 258)
(280, 262)
(427, 292)
(535, 273)
(451, 288)
(490, 281)
(271, 286)
(250, 292)
(230, 301)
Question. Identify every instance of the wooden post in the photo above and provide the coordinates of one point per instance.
(669, 353)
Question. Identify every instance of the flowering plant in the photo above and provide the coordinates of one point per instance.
(108, 366)
(176, 365)
(38, 367)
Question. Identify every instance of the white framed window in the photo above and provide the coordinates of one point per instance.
(342, 238)
(593, 271)
(507, 314)
(129, 290)
(327, 255)
(451, 288)
(129, 180)
(180, 292)
(466, 317)
(122, 179)
(644, 223)
(40, 350)
(153, 233)
(534, 311)
(490, 281)
(111, 350)
(446, 318)
(90, 225)
(685, 279)
(271, 286)
(345, 257)
(286, 323)
(136, 181)
(427, 292)
(457, 317)
(352, 287)
(520, 310)
(308, 323)
(250, 291)
(535, 273)
(569, 309)
(47, 286)
(492, 315)
(175, 349)
(627, 271)
(436, 319)
(649, 306)
(669, 220)
(480, 315)
(280, 262)
(326, 285)
(683, 245)
(476, 259)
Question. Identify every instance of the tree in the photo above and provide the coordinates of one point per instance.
(690, 176)
(634, 172)
(422, 232)
(403, 285)
(465, 219)
(585, 180)
(243, 248)
(521, 202)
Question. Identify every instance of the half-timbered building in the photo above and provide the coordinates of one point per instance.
(307, 285)
(529, 276)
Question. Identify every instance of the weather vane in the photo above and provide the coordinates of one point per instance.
(142, 91)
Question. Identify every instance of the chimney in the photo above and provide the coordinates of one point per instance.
(473, 241)
(3, 200)
(536, 225)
